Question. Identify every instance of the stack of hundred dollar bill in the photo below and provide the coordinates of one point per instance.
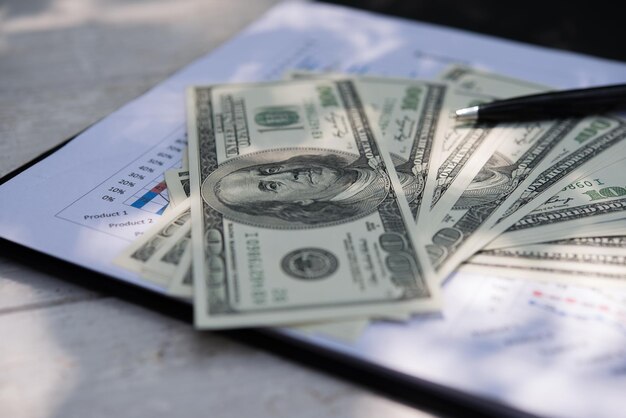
(324, 201)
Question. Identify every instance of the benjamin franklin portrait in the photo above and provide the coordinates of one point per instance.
(295, 188)
(493, 181)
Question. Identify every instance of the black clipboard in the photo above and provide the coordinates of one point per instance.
(408, 389)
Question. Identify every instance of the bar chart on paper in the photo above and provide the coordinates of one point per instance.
(152, 198)
(131, 199)
(581, 329)
(501, 314)
(540, 342)
(597, 306)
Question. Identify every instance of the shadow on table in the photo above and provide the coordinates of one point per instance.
(423, 395)
(568, 25)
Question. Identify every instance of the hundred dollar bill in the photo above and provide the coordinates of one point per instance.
(593, 261)
(584, 255)
(517, 179)
(439, 150)
(164, 262)
(172, 263)
(541, 273)
(177, 181)
(464, 148)
(617, 241)
(297, 213)
(609, 228)
(409, 114)
(136, 255)
(181, 282)
(598, 197)
(580, 154)
(181, 285)
(499, 177)
(185, 159)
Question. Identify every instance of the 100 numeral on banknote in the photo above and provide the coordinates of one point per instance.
(296, 216)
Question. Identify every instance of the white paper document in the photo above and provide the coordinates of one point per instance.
(545, 348)
(497, 338)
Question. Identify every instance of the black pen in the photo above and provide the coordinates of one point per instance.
(551, 105)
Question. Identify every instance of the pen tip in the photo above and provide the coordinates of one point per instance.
(466, 114)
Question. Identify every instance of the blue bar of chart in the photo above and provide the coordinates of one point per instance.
(153, 199)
